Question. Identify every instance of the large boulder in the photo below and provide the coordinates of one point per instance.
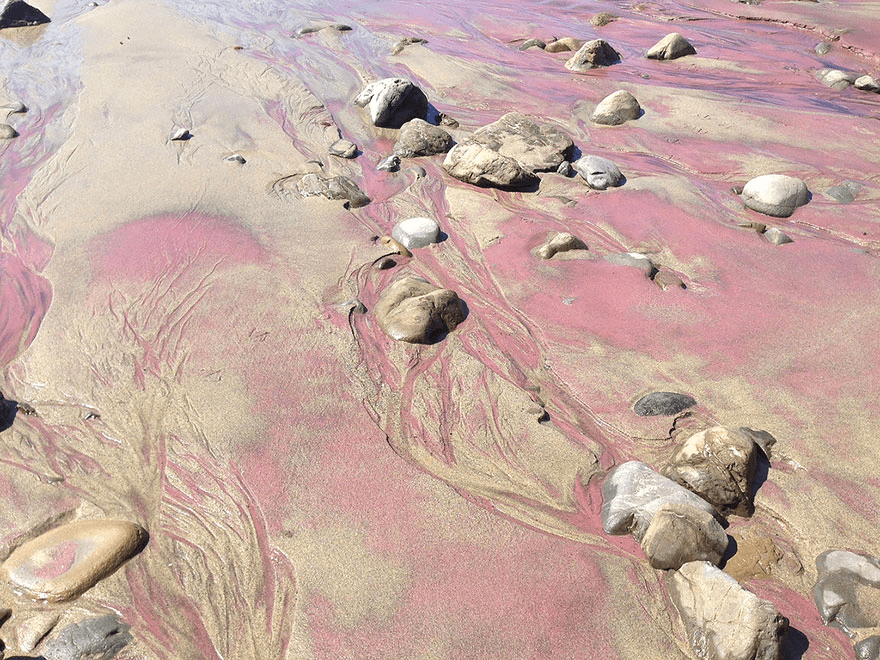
(18, 13)
(599, 173)
(777, 195)
(681, 533)
(479, 165)
(616, 109)
(415, 311)
(392, 102)
(671, 47)
(724, 621)
(415, 233)
(536, 146)
(98, 638)
(419, 138)
(842, 576)
(591, 55)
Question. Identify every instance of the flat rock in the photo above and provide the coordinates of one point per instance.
(419, 138)
(842, 576)
(724, 621)
(663, 403)
(616, 109)
(415, 233)
(670, 47)
(599, 173)
(835, 78)
(680, 533)
(98, 638)
(867, 83)
(633, 493)
(415, 311)
(18, 13)
(392, 102)
(64, 562)
(343, 149)
(633, 260)
(563, 45)
(479, 165)
(717, 464)
(591, 55)
(337, 187)
(561, 242)
(536, 145)
(845, 192)
(777, 195)
(7, 132)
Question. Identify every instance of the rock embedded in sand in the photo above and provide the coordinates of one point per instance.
(343, 149)
(835, 78)
(591, 55)
(389, 163)
(64, 562)
(537, 146)
(406, 41)
(868, 648)
(616, 109)
(338, 187)
(415, 233)
(663, 403)
(666, 279)
(415, 311)
(724, 621)
(867, 83)
(776, 236)
(98, 638)
(680, 533)
(842, 575)
(14, 107)
(419, 138)
(634, 260)
(599, 173)
(392, 102)
(671, 47)
(18, 13)
(479, 165)
(563, 45)
(180, 135)
(7, 132)
(844, 192)
(561, 242)
(602, 19)
(776, 195)
(532, 43)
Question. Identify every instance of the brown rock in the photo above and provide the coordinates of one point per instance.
(419, 138)
(479, 165)
(536, 145)
(671, 47)
(566, 44)
(414, 310)
(616, 109)
(666, 279)
(561, 242)
(591, 55)
(680, 533)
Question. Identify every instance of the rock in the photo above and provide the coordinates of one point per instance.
(842, 576)
(406, 41)
(343, 149)
(311, 29)
(867, 83)
(670, 47)
(835, 78)
(663, 403)
(18, 13)
(764, 440)
(602, 19)
(868, 648)
(396, 247)
(235, 158)
(777, 195)
(666, 279)
(338, 187)
(419, 138)
(717, 464)
(445, 120)
(591, 55)
(599, 173)
(415, 311)
(616, 108)
(180, 135)
(724, 621)
(99, 638)
(634, 260)
(532, 43)
(479, 165)
(415, 233)
(777, 236)
(845, 192)
(66, 561)
(14, 107)
(419, 171)
(389, 163)
(33, 629)
(565, 169)
(564, 45)
(392, 102)
(561, 242)
(680, 533)
(633, 493)
(822, 48)
(7, 132)
(536, 146)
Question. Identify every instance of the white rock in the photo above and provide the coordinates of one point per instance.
(775, 194)
(416, 232)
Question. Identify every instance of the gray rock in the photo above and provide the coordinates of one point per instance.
(822, 48)
(389, 163)
(392, 102)
(532, 43)
(564, 45)
(591, 55)
(415, 311)
(343, 149)
(616, 109)
(599, 173)
(536, 145)
(868, 648)
(633, 260)
(7, 132)
(663, 403)
(777, 236)
(565, 169)
(867, 83)
(724, 621)
(680, 533)
(844, 192)
(842, 575)
(479, 165)
(18, 13)
(670, 47)
(338, 187)
(777, 195)
(100, 638)
(419, 138)
(416, 232)
(835, 78)
(717, 464)
(633, 493)
(561, 242)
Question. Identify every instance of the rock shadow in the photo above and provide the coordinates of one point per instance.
(732, 549)
(441, 237)
(795, 645)
(439, 335)
(762, 471)
(8, 410)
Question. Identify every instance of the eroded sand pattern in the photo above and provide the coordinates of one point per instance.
(192, 252)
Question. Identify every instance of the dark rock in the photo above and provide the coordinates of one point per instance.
(7, 132)
(663, 403)
(561, 242)
(389, 164)
(842, 575)
(419, 138)
(591, 55)
(338, 187)
(564, 45)
(776, 195)
(235, 158)
(415, 311)
(599, 173)
(616, 109)
(670, 47)
(532, 43)
(100, 638)
(680, 533)
(536, 145)
(392, 102)
(479, 165)
(18, 13)
(868, 648)
(844, 192)
(445, 120)
(343, 149)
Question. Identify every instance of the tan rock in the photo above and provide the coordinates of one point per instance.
(479, 165)
(616, 109)
(538, 146)
(680, 533)
(670, 47)
(33, 629)
(563, 45)
(561, 242)
(415, 311)
(593, 54)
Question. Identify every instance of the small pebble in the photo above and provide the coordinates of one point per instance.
(387, 263)
(343, 149)
(777, 237)
(389, 164)
(822, 48)
(180, 135)
(7, 132)
(565, 169)
(235, 158)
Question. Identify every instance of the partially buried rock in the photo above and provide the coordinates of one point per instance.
(591, 55)
(406, 41)
(63, 563)
(99, 638)
(663, 403)
(389, 164)
(566, 44)
(867, 83)
(599, 173)
(670, 47)
(777, 236)
(338, 187)
(724, 621)
(835, 78)
(868, 648)
(532, 43)
(415, 233)
(602, 19)
(343, 149)
(7, 132)
(616, 109)
(561, 242)
(537, 146)
(392, 102)
(666, 279)
(633, 260)
(33, 629)
(419, 138)
(479, 165)
(777, 195)
(844, 580)
(17, 13)
(415, 311)
(844, 192)
(680, 533)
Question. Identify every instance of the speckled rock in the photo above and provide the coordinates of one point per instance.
(392, 102)
(663, 403)
(343, 149)
(538, 146)
(561, 242)
(591, 55)
(415, 233)
(17, 13)
(670, 47)
(599, 173)
(616, 109)
(338, 187)
(867, 83)
(842, 575)
(419, 138)
(7, 132)
(602, 19)
(680, 533)
(415, 311)
(835, 78)
(479, 165)
(777, 195)
(98, 638)
(563, 45)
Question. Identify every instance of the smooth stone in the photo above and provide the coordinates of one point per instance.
(670, 47)
(415, 311)
(235, 158)
(633, 493)
(180, 135)
(14, 107)
(406, 41)
(634, 260)
(396, 247)
(842, 574)
(599, 173)
(868, 648)
(666, 279)
(98, 638)
(537, 146)
(532, 43)
(479, 165)
(419, 138)
(835, 78)
(776, 195)
(17, 13)
(663, 403)
(561, 242)
(66, 561)
(723, 621)
(416, 232)
(602, 19)
(777, 236)
(822, 48)
(343, 149)
(616, 109)
(591, 55)
(680, 533)
(565, 168)
(718, 464)
(338, 187)
(389, 164)
(867, 83)
(392, 102)
(563, 45)
(844, 192)
(33, 629)
(7, 132)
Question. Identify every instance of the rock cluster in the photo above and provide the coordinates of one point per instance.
(392, 102)
(415, 311)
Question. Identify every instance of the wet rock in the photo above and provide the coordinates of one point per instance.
(565, 168)
(717, 464)
(868, 648)
(724, 621)
(842, 576)
(564, 45)
(33, 629)
(561, 242)
(17, 13)
(343, 149)
(536, 146)
(670, 47)
(180, 135)
(389, 164)
(64, 562)
(406, 41)
(663, 403)
(392, 102)
(666, 279)
(415, 311)
(419, 138)
(634, 260)
(532, 43)
(599, 173)
(616, 109)
(835, 78)
(680, 533)
(415, 233)
(338, 187)
(591, 55)
(633, 493)
(602, 19)
(7, 132)
(844, 192)
(479, 165)
(867, 83)
(777, 236)
(99, 638)
(777, 195)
